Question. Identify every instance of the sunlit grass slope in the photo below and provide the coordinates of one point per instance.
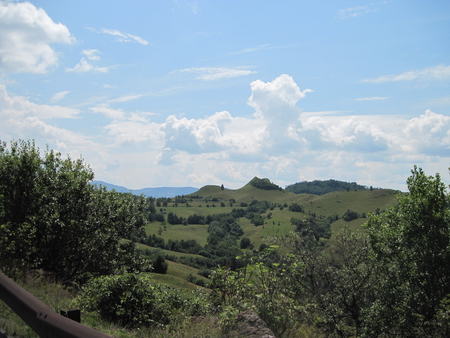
(334, 203)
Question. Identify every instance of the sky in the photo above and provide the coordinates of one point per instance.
(169, 93)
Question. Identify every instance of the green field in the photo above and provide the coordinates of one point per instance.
(361, 201)
(279, 223)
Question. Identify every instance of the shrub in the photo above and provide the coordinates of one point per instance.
(134, 300)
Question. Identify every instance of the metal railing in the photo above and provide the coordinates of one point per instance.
(40, 317)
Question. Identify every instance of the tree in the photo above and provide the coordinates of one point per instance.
(159, 264)
(246, 243)
(54, 219)
(411, 243)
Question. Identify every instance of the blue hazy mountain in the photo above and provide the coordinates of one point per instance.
(151, 192)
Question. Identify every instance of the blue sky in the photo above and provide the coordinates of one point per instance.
(189, 93)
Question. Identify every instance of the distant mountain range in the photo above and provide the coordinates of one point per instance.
(151, 192)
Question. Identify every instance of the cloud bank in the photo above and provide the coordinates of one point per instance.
(278, 141)
(26, 36)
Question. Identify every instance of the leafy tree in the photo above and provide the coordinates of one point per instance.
(411, 243)
(350, 215)
(159, 264)
(54, 219)
(295, 207)
(246, 243)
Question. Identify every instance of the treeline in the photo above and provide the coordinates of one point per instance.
(318, 187)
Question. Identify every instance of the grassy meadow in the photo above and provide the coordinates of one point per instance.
(334, 203)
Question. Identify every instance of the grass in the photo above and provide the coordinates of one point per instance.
(179, 232)
(361, 201)
(54, 295)
(58, 298)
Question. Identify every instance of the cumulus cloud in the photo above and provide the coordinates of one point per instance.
(26, 35)
(195, 136)
(281, 142)
(216, 73)
(277, 98)
(275, 102)
(133, 133)
(429, 133)
(437, 73)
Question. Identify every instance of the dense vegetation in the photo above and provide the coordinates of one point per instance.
(264, 184)
(318, 187)
(52, 218)
(389, 278)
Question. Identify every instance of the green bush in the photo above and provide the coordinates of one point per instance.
(135, 300)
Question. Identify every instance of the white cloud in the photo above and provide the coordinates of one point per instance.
(113, 114)
(373, 98)
(251, 49)
(216, 73)
(17, 107)
(429, 133)
(59, 96)
(91, 54)
(352, 12)
(195, 136)
(277, 98)
(26, 33)
(84, 66)
(437, 73)
(275, 102)
(133, 133)
(130, 129)
(126, 98)
(122, 37)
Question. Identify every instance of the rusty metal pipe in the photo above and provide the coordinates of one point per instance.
(40, 317)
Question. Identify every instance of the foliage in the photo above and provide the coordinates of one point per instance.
(159, 264)
(245, 243)
(195, 280)
(319, 227)
(318, 187)
(53, 219)
(295, 207)
(411, 243)
(264, 184)
(134, 300)
(172, 218)
(257, 287)
(350, 215)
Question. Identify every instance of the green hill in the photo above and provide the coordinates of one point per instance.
(208, 201)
